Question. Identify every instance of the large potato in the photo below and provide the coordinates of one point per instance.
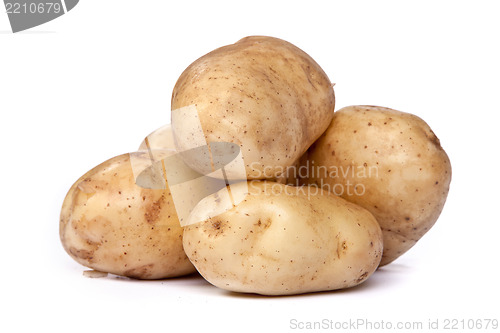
(390, 163)
(261, 93)
(284, 240)
(110, 224)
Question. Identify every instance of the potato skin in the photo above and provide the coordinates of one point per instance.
(110, 224)
(280, 241)
(161, 138)
(262, 93)
(399, 167)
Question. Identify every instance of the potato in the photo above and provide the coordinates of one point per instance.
(284, 240)
(261, 93)
(390, 163)
(110, 224)
(162, 138)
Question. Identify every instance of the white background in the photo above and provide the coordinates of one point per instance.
(91, 84)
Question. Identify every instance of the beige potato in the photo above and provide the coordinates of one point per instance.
(161, 138)
(390, 163)
(284, 240)
(110, 224)
(261, 93)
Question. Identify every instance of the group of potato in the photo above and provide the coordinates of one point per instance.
(371, 182)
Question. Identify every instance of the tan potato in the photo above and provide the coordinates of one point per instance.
(390, 163)
(162, 138)
(261, 93)
(284, 240)
(110, 224)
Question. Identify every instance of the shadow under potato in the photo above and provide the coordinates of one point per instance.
(383, 276)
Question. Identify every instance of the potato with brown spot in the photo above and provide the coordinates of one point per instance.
(261, 93)
(390, 163)
(284, 240)
(110, 224)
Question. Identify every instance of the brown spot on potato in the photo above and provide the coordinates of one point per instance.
(141, 272)
(433, 138)
(153, 211)
(362, 277)
(81, 253)
(341, 248)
